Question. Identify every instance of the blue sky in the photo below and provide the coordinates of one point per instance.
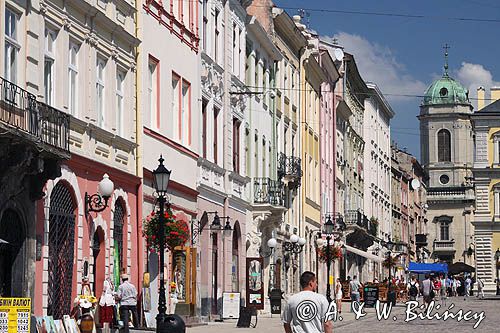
(404, 55)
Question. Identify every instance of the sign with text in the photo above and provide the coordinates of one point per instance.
(230, 305)
(15, 314)
(255, 283)
(370, 296)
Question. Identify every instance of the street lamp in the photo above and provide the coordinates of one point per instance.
(214, 226)
(295, 245)
(497, 256)
(99, 201)
(161, 177)
(271, 244)
(328, 229)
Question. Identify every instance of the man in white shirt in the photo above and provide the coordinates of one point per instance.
(467, 283)
(305, 312)
(427, 289)
(127, 295)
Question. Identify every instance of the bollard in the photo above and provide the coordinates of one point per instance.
(174, 324)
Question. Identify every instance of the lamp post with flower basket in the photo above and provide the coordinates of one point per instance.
(161, 230)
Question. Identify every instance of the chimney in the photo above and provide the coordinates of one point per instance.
(495, 94)
(262, 10)
(480, 98)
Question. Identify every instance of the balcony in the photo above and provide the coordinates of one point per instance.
(445, 194)
(353, 217)
(444, 246)
(289, 170)
(268, 191)
(43, 125)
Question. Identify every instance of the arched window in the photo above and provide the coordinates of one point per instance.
(118, 221)
(444, 146)
(61, 251)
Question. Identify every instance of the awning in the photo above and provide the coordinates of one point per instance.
(417, 267)
(363, 253)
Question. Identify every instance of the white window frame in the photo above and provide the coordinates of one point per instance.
(496, 148)
(73, 83)
(12, 45)
(49, 66)
(100, 90)
(185, 111)
(175, 105)
(121, 76)
(153, 92)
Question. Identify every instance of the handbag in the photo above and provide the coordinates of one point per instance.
(432, 294)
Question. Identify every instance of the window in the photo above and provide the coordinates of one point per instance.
(239, 53)
(205, 23)
(48, 69)
(247, 152)
(11, 46)
(153, 96)
(175, 105)
(216, 38)
(256, 70)
(444, 228)
(120, 78)
(236, 145)
(248, 67)
(216, 117)
(204, 127)
(185, 116)
(73, 77)
(235, 61)
(100, 64)
(264, 166)
(444, 146)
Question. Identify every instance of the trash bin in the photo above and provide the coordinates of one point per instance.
(275, 297)
(391, 297)
(174, 324)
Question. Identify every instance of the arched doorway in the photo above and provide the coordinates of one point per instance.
(12, 273)
(118, 226)
(61, 251)
(99, 254)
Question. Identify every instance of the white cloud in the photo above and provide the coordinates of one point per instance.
(474, 75)
(377, 63)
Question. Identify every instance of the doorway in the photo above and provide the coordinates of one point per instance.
(99, 254)
(12, 258)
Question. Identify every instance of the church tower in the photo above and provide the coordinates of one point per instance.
(446, 142)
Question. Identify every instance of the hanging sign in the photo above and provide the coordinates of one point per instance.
(15, 314)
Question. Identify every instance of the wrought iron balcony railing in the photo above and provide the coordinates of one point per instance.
(19, 109)
(268, 191)
(289, 166)
(353, 217)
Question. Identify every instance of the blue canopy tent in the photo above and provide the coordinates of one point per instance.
(417, 267)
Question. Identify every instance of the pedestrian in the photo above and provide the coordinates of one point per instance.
(127, 295)
(455, 286)
(354, 286)
(107, 303)
(413, 288)
(338, 295)
(467, 284)
(428, 289)
(449, 285)
(480, 288)
(305, 311)
(442, 290)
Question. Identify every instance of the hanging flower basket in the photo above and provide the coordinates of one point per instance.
(176, 231)
(335, 252)
(498, 264)
(390, 262)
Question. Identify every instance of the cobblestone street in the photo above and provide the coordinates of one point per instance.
(370, 323)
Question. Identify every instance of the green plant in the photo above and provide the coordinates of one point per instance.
(390, 262)
(335, 252)
(176, 232)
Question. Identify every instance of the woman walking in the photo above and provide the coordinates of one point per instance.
(338, 295)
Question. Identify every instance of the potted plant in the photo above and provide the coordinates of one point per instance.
(334, 253)
(176, 231)
(374, 226)
(390, 262)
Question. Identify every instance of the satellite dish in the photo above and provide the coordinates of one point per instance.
(339, 54)
(415, 184)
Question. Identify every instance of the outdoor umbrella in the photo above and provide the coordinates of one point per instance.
(3, 241)
(459, 267)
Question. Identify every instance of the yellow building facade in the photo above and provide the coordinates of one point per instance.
(486, 172)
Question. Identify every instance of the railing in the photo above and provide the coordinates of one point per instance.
(444, 244)
(268, 191)
(289, 166)
(20, 109)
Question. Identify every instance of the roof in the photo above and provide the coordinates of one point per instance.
(490, 108)
(446, 91)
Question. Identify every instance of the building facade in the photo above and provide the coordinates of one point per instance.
(486, 240)
(447, 154)
(169, 109)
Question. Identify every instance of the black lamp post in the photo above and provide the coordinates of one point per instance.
(497, 256)
(161, 176)
(328, 229)
(389, 246)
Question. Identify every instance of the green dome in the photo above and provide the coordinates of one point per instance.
(446, 91)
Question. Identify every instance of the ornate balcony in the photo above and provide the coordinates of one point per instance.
(43, 125)
(268, 191)
(289, 169)
(353, 217)
(444, 246)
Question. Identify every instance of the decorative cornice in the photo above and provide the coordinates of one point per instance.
(91, 38)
